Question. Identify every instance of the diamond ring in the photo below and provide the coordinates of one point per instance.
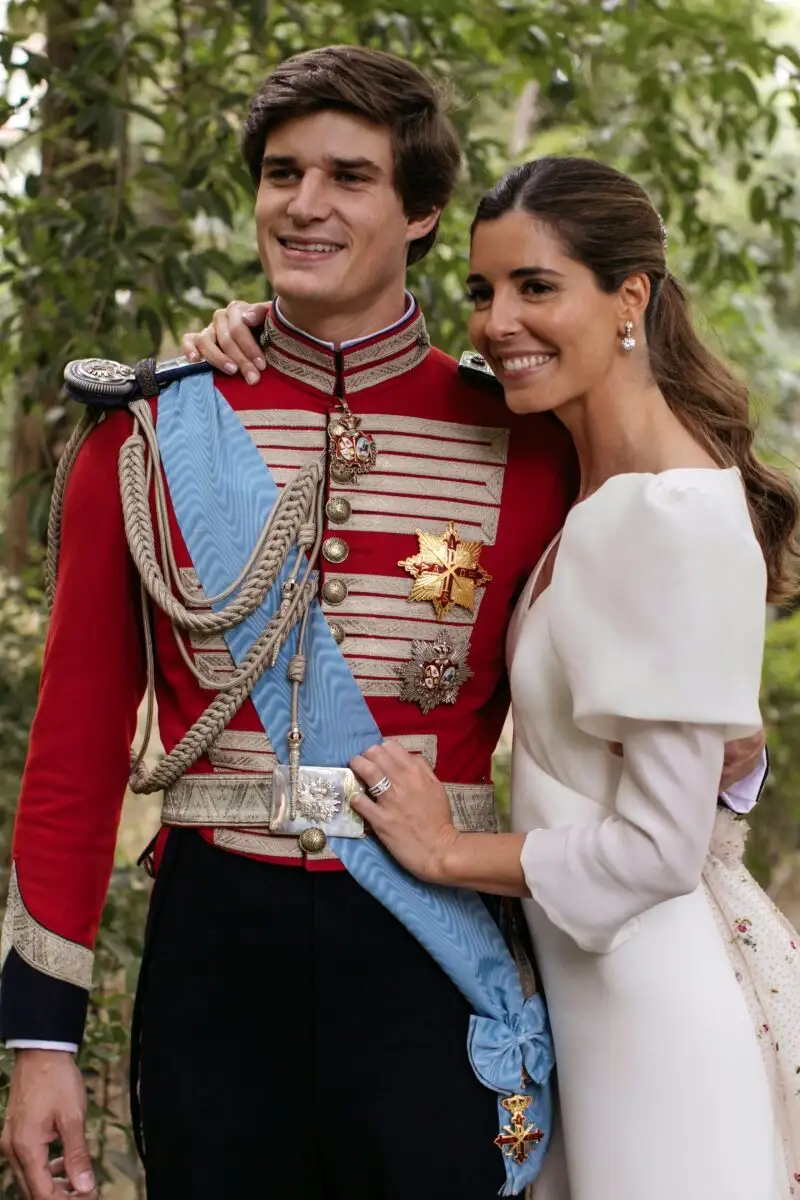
(380, 787)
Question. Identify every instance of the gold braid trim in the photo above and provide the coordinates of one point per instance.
(294, 527)
(241, 801)
(248, 842)
(40, 948)
(292, 531)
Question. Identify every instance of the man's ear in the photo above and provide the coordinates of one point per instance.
(420, 227)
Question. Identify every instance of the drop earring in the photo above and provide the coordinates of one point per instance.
(628, 342)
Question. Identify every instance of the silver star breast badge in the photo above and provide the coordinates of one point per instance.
(436, 671)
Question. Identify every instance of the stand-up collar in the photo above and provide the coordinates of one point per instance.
(354, 365)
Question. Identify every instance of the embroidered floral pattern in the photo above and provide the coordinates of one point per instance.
(769, 979)
(742, 928)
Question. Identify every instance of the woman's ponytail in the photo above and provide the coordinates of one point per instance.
(714, 406)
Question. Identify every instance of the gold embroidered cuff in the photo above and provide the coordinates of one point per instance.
(40, 948)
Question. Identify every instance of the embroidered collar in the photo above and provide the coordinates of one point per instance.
(354, 366)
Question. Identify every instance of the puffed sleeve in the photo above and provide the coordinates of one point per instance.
(657, 613)
(659, 604)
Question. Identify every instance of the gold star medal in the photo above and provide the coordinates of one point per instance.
(446, 571)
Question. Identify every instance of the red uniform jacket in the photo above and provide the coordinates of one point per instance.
(447, 451)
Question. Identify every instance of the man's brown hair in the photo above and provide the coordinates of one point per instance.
(380, 88)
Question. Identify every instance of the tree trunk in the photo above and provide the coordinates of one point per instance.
(30, 461)
(27, 462)
(35, 440)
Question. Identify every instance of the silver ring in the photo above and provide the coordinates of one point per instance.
(380, 787)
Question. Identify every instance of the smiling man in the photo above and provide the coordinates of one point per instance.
(294, 1037)
(327, 222)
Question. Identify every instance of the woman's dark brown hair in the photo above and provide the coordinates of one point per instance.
(606, 221)
(379, 88)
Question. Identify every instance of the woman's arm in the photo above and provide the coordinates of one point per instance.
(592, 880)
(595, 880)
(413, 820)
(484, 862)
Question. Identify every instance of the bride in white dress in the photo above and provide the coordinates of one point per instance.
(672, 982)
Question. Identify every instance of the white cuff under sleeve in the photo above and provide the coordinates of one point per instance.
(742, 797)
(32, 1044)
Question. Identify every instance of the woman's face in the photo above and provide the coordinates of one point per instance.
(547, 330)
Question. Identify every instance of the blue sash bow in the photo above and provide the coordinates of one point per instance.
(222, 493)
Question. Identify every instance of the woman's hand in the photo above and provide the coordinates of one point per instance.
(742, 757)
(230, 342)
(412, 817)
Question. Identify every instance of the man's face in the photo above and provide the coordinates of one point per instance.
(332, 233)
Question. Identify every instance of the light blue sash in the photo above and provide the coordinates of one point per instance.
(222, 493)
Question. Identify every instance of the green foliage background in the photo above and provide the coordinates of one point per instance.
(125, 215)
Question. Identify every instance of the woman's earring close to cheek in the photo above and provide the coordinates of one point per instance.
(628, 341)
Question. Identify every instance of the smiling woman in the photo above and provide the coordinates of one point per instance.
(568, 267)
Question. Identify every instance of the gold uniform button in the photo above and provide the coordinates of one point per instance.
(334, 590)
(312, 841)
(335, 549)
(337, 632)
(338, 510)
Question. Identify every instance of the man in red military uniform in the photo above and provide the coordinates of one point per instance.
(293, 1038)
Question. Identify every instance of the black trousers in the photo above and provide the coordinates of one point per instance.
(297, 1043)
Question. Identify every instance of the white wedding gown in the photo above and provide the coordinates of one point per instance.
(673, 984)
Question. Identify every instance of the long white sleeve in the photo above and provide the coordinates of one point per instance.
(656, 618)
(593, 881)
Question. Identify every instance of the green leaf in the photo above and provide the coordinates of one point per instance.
(758, 204)
(743, 81)
(147, 318)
